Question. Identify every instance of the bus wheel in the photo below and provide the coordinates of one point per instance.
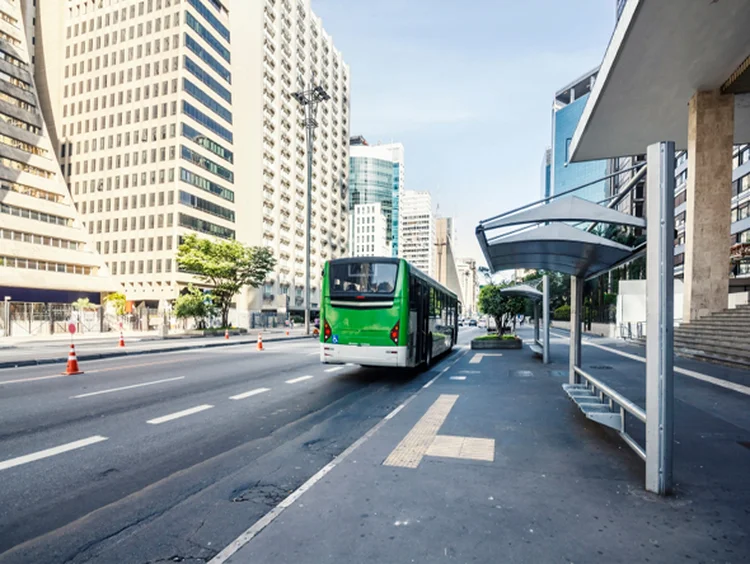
(428, 358)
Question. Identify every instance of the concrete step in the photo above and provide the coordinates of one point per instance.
(735, 336)
(731, 314)
(735, 324)
(717, 348)
(715, 358)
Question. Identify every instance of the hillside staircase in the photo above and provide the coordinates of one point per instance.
(722, 337)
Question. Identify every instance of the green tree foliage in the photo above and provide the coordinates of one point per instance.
(83, 304)
(562, 313)
(118, 302)
(502, 307)
(226, 266)
(194, 303)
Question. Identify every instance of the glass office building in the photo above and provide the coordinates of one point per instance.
(566, 112)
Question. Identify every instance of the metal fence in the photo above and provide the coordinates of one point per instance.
(35, 318)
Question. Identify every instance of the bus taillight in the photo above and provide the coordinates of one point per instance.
(326, 331)
(394, 333)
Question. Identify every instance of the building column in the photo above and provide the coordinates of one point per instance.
(709, 195)
(576, 308)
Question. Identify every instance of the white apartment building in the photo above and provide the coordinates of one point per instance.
(140, 95)
(45, 252)
(368, 232)
(281, 45)
(467, 276)
(418, 230)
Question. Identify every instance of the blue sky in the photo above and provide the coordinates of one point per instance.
(467, 87)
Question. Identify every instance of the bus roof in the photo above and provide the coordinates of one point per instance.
(396, 260)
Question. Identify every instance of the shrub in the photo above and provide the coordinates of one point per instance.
(562, 313)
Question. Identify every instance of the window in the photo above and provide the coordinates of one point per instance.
(206, 100)
(205, 226)
(206, 57)
(206, 164)
(206, 143)
(210, 18)
(207, 122)
(206, 206)
(206, 79)
(207, 36)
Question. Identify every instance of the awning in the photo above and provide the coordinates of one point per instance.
(660, 54)
(523, 290)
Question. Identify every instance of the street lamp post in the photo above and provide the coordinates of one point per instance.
(310, 98)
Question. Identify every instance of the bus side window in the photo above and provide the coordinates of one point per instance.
(413, 293)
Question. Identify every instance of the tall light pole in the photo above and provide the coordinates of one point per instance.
(310, 98)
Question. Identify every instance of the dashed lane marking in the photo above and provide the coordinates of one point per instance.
(179, 414)
(300, 379)
(250, 394)
(123, 388)
(477, 358)
(335, 369)
(51, 452)
(410, 451)
(457, 378)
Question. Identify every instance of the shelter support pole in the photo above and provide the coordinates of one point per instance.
(576, 305)
(660, 317)
(545, 310)
(536, 322)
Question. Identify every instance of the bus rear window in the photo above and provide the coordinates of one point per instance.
(364, 277)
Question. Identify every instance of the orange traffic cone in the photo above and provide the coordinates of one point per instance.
(226, 333)
(287, 332)
(122, 341)
(72, 367)
(260, 342)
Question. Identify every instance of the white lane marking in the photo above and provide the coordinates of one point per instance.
(34, 379)
(477, 358)
(428, 384)
(112, 390)
(335, 369)
(183, 413)
(684, 371)
(313, 353)
(457, 378)
(269, 517)
(50, 452)
(300, 379)
(249, 394)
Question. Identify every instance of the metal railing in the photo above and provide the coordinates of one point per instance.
(622, 402)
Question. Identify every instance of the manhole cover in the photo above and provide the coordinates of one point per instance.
(601, 367)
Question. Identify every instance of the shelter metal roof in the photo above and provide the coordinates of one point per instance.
(523, 290)
(660, 54)
(557, 247)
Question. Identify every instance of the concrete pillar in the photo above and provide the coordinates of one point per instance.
(576, 308)
(546, 318)
(709, 194)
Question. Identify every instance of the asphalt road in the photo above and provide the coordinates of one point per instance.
(134, 460)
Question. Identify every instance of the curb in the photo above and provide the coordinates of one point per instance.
(117, 354)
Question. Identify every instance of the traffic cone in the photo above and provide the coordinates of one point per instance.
(260, 342)
(287, 332)
(72, 367)
(122, 341)
(226, 333)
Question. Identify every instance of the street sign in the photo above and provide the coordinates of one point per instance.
(71, 328)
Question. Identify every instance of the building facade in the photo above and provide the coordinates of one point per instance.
(368, 232)
(467, 275)
(141, 97)
(418, 230)
(46, 255)
(566, 112)
(377, 176)
(281, 45)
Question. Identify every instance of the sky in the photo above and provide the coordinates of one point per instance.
(467, 87)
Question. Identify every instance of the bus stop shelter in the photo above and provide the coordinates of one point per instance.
(538, 299)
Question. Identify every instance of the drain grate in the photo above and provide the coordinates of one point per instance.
(600, 367)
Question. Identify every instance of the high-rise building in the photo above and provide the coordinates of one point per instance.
(418, 230)
(546, 176)
(619, 7)
(377, 176)
(45, 254)
(368, 232)
(280, 46)
(140, 94)
(566, 112)
(467, 276)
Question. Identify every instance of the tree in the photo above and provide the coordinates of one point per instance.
(194, 303)
(502, 307)
(226, 266)
(118, 302)
(82, 304)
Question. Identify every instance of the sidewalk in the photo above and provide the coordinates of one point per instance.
(558, 488)
(32, 352)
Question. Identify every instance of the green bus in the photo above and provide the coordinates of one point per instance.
(384, 312)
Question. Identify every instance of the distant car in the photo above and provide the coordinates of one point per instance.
(472, 322)
(460, 322)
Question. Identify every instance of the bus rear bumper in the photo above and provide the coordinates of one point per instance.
(366, 356)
